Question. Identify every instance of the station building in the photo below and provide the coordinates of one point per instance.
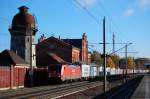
(56, 50)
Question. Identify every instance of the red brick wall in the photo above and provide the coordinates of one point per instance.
(4, 77)
(89, 58)
(19, 76)
(12, 78)
(63, 50)
(75, 55)
(53, 46)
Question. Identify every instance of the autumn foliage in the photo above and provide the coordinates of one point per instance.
(110, 63)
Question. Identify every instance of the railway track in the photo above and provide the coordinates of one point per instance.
(52, 91)
(63, 91)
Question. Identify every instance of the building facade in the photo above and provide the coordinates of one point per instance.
(55, 51)
(82, 44)
(13, 70)
(23, 30)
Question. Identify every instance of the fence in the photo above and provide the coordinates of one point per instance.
(18, 76)
(12, 77)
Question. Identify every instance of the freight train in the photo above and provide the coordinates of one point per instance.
(67, 72)
(64, 72)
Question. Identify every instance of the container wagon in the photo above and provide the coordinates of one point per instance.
(85, 71)
(93, 72)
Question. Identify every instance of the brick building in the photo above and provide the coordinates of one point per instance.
(13, 70)
(55, 50)
(82, 45)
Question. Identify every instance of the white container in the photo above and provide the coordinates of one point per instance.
(85, 69)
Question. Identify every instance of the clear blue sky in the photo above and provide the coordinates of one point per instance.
(130, 20)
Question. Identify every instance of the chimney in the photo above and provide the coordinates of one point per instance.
(84, 37)
(42, 38)
(59, 37)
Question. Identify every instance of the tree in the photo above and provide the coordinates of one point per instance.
(96, 58)
(110, 63)
(115, 58)
(131, 63)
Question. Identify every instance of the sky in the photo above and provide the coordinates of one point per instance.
(128, 19)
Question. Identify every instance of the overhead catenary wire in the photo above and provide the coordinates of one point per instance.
(84, 8)
(112, 22)
(87, 11)
(20, 26)
(100, 4)
(120, 48)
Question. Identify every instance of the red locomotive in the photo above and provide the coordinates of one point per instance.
(64, 72)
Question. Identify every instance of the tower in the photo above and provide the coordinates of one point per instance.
(23, 30)
(84, 48)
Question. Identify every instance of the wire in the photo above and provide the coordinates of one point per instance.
(112, 23)
(87, 11)
(94, 43)
(102, 7)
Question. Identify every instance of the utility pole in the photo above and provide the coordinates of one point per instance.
(104, 57)
(133, 66)
(113, 42)
(126, 59)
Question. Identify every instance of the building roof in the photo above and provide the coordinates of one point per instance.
(9, 57)
(22, 21)
(56, 58)
(57, 40)
(75, 42)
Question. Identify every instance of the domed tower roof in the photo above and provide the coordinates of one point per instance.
(23, 21)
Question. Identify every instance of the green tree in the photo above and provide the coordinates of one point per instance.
(96, 58)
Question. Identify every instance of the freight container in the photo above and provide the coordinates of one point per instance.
(113, 71)
(108, 71)
(93, 71)
(100, 71)
(85, 70)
